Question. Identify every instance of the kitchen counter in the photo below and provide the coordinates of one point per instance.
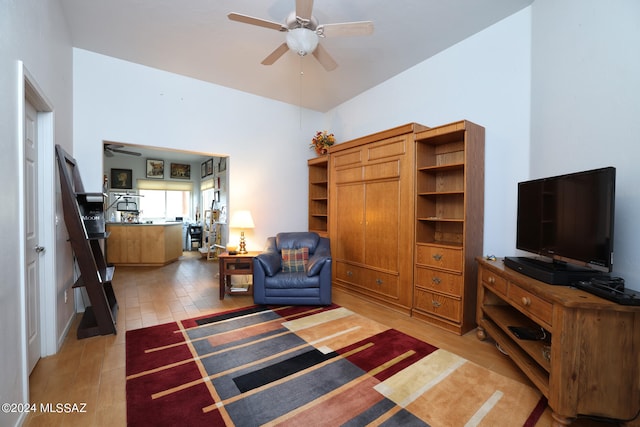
(145, 223)
(143, 244)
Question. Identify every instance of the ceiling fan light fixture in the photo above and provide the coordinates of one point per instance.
(302, 41)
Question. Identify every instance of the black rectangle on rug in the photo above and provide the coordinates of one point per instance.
(280, 370)
(231, 315)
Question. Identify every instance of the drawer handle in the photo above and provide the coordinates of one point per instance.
(437, 257)
(436, 280)
(492, 280)
(349, 273)
(435, 304)
(526, 301)
(379, 282)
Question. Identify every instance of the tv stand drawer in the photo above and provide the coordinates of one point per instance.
(531, 305)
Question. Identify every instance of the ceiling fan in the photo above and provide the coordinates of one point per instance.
(303, 32)
(110, 149)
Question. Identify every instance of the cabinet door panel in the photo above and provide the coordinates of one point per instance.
(152, 244)
(349, 239)
(388, 148)
(116, 244)
(382, 170)
(382, 225)
(133, 243)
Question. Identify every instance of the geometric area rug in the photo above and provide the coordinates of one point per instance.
(310, 366)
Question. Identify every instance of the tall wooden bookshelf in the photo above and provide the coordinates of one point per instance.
(84, 218)
(319, 195)
(448, 224)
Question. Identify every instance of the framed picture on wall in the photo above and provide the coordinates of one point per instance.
(203, 170)
(155, 169)
(121, 179)
(222, 166)
(180, 171)
(209, 167)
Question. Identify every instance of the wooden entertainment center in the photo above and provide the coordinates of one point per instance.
(589, 362)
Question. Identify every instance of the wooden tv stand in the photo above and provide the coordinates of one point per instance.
(590, 362)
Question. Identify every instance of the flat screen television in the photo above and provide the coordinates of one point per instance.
(567, 219)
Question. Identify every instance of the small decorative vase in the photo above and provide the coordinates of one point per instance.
(321, 150)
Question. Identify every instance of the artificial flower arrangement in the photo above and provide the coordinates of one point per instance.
(321, 141)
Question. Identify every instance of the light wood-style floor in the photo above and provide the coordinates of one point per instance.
(92, 370)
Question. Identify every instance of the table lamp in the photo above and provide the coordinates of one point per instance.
(242, 220)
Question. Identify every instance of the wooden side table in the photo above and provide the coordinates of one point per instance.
(235, 265)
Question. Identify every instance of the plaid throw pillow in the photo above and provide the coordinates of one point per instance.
(294, 259)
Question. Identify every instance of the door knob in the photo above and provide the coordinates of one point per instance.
(39, 249)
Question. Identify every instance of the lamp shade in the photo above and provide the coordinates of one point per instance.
(241, 219)
(302, 40)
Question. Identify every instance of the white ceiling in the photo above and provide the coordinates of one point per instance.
(194, 38)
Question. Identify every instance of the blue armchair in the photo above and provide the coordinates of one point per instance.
(282, 276)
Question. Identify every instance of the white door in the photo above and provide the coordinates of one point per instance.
(32, 246)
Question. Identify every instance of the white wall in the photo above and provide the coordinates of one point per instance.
(33, 32)
(484, 79)
(586, 104)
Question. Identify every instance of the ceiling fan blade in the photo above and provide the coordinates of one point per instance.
(324, 58)
(131, 153)
(108, 153)
(345, 29)
(304, 8)
(245, 19)
(276, 54)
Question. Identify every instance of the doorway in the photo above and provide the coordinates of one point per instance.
(151, 169)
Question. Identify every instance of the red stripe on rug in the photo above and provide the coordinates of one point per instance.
(388, 345)
(140, 340)
(183, 407)
(536, 413)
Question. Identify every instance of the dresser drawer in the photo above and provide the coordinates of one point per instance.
(365, 278)
(530, 304)
(439, 281)
(440, 257)
(493, 281)
(440, 305)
